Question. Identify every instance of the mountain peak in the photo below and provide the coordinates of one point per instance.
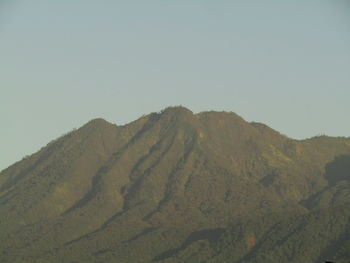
(97, 124)
(177, 110)
(99, 121)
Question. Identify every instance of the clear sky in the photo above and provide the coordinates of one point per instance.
(62, 63)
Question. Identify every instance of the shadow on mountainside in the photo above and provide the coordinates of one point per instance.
(211, 235)
(336, 172)
(338, 169)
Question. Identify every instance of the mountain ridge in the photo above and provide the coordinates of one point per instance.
(104, 191)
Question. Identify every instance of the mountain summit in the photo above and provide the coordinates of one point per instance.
(175, 186)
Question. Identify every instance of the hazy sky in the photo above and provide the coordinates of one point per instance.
(62, 63)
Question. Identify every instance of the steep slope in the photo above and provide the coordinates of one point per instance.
(166, 184)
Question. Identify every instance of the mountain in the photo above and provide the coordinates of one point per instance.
(177, 187)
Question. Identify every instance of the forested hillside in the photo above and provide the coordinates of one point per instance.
(179, 187)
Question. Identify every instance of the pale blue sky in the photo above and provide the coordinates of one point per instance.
(62, 63)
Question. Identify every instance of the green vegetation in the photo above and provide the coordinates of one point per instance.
(178, 187)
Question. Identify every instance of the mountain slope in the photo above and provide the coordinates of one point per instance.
(168, 184)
